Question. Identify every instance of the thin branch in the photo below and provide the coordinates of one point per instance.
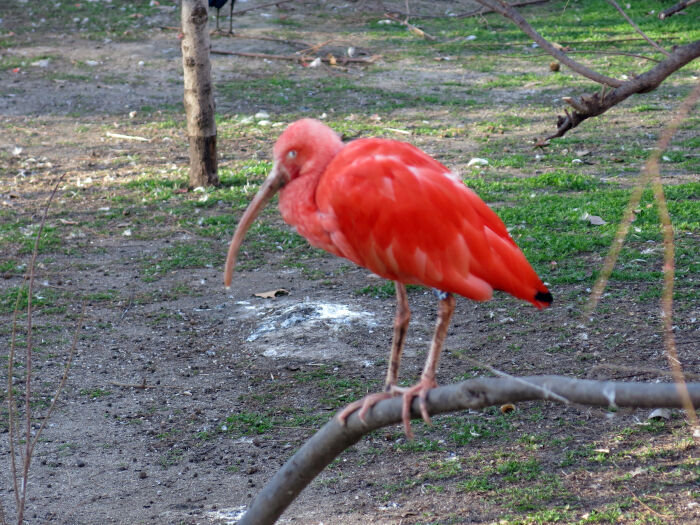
(587, 52)
(669, 250)
(469, 14)
(333, 438)
(593, 105)
(64, 377)
(411, 28)
(633, 203)
(653, 43)
(507, 11)
(680, 6)
(21, 498)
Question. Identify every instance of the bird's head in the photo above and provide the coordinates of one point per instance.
(304, 148)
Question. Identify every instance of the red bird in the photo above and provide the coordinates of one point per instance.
(391, 208)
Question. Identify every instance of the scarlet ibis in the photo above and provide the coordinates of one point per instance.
(393, 209)
(218, 4)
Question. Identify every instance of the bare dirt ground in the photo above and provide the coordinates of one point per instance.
(184, 398)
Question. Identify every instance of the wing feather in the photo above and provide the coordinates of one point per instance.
(403, 215)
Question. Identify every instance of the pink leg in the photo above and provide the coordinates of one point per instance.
(427, 381)
(403, 316)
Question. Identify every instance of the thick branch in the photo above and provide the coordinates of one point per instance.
(507, 11)
(593, 105)
(334, 438)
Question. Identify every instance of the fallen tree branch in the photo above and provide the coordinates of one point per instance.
(333, 438)
(680, 6)
(593, 105)
(300, 58)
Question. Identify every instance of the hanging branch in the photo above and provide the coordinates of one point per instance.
(651, 174)
(507, 11)
(474, 12)
(680, 6)
(333, 438)
(588, 106)
(654, 44)
(593, 105)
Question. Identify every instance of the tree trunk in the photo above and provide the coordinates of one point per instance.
(199, 94)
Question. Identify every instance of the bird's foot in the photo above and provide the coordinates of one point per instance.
(364, 405)
(419, 390)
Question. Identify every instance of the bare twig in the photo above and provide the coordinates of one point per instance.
(634, 496)
(333, 438)
(507, 11)
(413, 29)
(476, 12)
(26, 455)
(680, 6)
(593, 52)
(651, 174)
(633, 203)
(653, 43)
(669, 250)
(593, 105)
(126, 137)
(64, 377)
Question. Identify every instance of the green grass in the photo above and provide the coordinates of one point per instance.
(179, 256)
(19, 296)
(94, 393)
(117, 20)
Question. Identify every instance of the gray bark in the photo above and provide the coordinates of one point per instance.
(333, 438)
(199, 94)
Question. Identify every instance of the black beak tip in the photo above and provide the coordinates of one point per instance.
(544, 297)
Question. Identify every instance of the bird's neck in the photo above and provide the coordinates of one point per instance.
(298, 198)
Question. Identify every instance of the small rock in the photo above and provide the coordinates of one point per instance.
(660, 413)
(476, 161)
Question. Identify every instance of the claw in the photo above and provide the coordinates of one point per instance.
(419, 390)
(364, 404)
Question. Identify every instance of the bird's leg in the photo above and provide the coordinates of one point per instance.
(403, 316)
(446, 308)
(230, 18)
(217, 22)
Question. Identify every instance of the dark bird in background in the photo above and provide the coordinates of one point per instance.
(218, 4)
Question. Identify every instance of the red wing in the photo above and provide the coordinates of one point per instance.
(393, 209)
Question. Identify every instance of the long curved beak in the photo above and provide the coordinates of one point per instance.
(274, 182)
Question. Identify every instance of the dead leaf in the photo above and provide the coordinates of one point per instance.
(507, 408)
(271, 294)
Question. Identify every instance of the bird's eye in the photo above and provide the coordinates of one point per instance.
(292, 154)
